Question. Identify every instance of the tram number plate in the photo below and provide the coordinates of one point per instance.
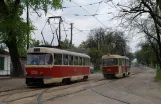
(34, 72)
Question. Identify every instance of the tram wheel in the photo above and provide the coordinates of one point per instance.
(124, 75)
(106, 76)
(85, 78)
(65, 81)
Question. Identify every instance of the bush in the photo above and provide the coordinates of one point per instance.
(158, 75)
(97, 70)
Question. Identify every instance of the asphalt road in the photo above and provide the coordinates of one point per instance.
(139, 88)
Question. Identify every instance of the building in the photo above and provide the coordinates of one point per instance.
(5, 62)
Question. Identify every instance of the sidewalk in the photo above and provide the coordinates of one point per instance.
(8, 83)
(4, 77)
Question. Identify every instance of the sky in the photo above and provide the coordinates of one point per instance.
(81, 21)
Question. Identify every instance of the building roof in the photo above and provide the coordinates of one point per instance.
(4, 52)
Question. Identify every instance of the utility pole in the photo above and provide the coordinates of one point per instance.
(27, 5)
(60, 20)
(59, 31)
(71, 38)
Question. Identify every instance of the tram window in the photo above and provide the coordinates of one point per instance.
(127, 62)
(65, 59)
(75, 60)
(110, 62)
(80, 60)
(123, 60)
(70, 60)
(57, 59)
(49, 59)
(83, 59)
(120, 62)
(87, 61)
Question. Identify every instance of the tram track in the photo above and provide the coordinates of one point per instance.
(39, 95)
(108, 85)
(129, 91)
(63, 95)
(39, 101)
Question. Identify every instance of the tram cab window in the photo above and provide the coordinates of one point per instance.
(57, 59)
(49, 59)
(80, 60)
(75, 60)
(70, 60)
(110, 62)
(65, 59)
(36, 58)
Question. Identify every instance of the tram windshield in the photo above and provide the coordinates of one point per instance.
(110, 62)
(39, 59)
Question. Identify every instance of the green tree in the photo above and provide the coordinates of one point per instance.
(35, 43)
(83, 44)
(96, 56)
(145, 51)
(13, 28)
(107, 42)
(65, 44)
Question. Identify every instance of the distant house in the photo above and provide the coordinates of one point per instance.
(5, 62)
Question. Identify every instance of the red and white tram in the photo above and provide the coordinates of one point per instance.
(115, 66)
(50, 65)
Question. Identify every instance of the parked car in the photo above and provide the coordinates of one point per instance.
(91, 69)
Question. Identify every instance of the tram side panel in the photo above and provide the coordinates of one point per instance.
(55, 74)
(73, 72)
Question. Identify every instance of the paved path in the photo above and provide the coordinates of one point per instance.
(139, 88)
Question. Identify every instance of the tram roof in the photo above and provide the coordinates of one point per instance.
(114, 56)
(55, 50)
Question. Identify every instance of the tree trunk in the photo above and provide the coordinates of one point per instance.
(15, 58)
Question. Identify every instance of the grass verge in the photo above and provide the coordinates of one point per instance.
(158, 75)
(97, 70)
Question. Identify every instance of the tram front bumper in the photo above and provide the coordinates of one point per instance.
(117, 75)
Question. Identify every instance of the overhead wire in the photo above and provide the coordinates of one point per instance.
(73, 26)
(96, 14)
(97, 8)
(85, 5)
(81, 6)
(90, 14)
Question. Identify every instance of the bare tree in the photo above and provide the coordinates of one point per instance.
(143, 16)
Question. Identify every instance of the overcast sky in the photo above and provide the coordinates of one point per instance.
(76, 15)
